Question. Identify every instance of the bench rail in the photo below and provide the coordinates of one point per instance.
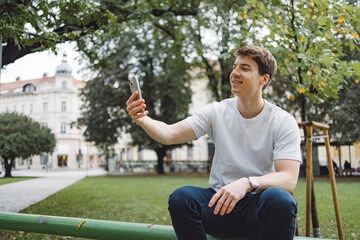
(87, 228)
(93, 229)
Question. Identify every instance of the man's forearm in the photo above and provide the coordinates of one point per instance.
(285, 177)
(157, 130)
(277, 179)
(166, 134)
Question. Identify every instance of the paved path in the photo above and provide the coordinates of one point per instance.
(17, 196)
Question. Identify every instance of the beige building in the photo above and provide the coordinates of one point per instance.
(55, 103)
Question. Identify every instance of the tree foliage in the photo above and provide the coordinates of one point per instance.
(343, 112)
(30, 26)
(160, 41)
(308, 40)
(21, 137)
(220, 21)
(153, 48)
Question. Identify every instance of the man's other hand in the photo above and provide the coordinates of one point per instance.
(229, 195)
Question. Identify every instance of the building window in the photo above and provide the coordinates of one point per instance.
(31, 108)
(45, 107)
(63, 106)
(141, 153)
(64, 84)
(63, 128)
(29, 88)
(129, 155)
(7, 109)
(23, 108)
(190, 153)
(44, 124)
(44, 159)
(14, 108)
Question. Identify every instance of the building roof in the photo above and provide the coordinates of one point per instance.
(13, 87)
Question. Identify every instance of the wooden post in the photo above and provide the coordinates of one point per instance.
(333, 184)
(308, 179)
(319, 126)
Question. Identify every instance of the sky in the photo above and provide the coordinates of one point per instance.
(34, 65)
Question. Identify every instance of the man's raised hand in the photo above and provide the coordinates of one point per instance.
(136, 108)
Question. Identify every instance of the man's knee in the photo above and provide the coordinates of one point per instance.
(278, 201)
(180, 198)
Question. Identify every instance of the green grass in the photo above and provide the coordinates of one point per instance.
(144, 199)
(348, 191)
(130, 199)
(13, 179)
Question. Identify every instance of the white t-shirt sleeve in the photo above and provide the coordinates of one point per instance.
(287, 140)
(201, 121)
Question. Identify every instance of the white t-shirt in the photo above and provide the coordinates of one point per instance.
(245, 147)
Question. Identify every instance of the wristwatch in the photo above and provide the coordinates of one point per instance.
(254, 182)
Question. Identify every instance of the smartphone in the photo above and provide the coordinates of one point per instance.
(135, 86)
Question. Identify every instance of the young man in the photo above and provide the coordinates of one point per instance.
(256, 162)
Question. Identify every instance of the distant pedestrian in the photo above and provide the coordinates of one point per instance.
(335, 166)
(347, 165)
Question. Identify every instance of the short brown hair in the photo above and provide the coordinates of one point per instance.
(263, 57)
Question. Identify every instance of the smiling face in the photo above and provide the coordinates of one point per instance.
(245, 79)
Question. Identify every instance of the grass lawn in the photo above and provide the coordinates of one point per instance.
(144, 199)
(348, 190)
(13, 179)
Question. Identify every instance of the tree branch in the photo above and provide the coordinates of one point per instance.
(165, 30)
(181, 12)
(11, 52)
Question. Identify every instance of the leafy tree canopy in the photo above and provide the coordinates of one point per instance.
(21, 137)
(160, 41)
(308, 40)
(28, 26)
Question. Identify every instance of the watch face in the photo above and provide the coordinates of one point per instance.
(254, 183)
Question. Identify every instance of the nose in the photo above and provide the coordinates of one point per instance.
(235, 72)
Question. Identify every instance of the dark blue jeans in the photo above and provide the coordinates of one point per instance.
(267, 215)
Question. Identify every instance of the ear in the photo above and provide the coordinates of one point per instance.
(265, 79)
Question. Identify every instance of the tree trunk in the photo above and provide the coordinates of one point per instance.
(161, 153)
(314, 215)
(8, 166)
(303, 107)
(107, 162)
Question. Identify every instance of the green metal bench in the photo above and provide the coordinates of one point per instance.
(91, 228)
